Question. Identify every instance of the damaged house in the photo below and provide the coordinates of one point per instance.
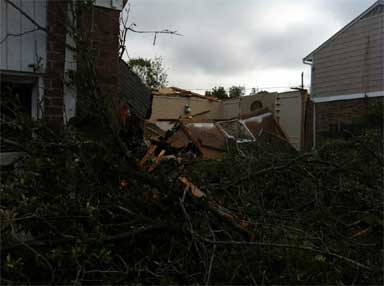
(191, 138)
(190, 125)
(135, 96)
(211, 139)
(287, 110)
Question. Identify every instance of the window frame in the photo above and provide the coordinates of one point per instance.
(37, 91)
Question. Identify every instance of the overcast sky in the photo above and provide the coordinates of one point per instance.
(254, 43)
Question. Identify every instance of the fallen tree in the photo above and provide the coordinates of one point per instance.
(78, 209)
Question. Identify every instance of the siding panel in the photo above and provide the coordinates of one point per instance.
(3, 28)
(18, 52)
(41, 36)
(27, 45)
(13, 44)
(353, 62)
(356, 49)
(350, 73)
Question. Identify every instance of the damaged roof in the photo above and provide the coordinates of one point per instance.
(261, 121)
(176, 91)
(134, 92)
(211, 138)
(205, 137)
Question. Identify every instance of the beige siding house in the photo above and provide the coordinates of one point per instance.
(347, 70)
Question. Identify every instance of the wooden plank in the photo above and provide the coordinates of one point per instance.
(193, 139)
(157, 161)
(151, 150)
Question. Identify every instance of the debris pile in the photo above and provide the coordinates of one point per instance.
(196, 138)
(78, 210)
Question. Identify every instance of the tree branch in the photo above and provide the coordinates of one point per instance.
(26, 15)
(125, 28)
(279, 245)
(38, 26)
(165, 31)
(18, 35)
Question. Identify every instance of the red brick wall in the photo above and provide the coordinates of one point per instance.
(54, 77)
(331, 116)
(105, 39)
(102, 24)
(103, 27)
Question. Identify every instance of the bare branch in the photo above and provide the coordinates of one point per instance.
(18, 35)
(165, 31)
(38, 26)
(26, 15)
(125, 28)
(279, 245)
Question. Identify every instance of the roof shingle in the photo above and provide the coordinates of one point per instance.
(134, 92)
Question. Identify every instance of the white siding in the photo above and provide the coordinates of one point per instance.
(18, 53)
(70, 91)
(289, 114)
(287, 108)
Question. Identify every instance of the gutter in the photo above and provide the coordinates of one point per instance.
(307, 61)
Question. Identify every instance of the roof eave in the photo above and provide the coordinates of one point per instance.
(308, 59)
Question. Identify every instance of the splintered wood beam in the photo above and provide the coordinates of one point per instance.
(225, 214)
(150, 152)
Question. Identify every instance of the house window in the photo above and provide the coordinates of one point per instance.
(256, 105)
(341, 128)
(16, 97)
(23, 91)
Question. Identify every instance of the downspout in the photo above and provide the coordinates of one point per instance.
(310, 63)
(314, 126)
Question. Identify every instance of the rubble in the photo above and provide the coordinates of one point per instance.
(196, 138)
(176, 91)
(85, 211)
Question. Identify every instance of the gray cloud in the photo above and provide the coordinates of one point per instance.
(224, 38)
(345, 10)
